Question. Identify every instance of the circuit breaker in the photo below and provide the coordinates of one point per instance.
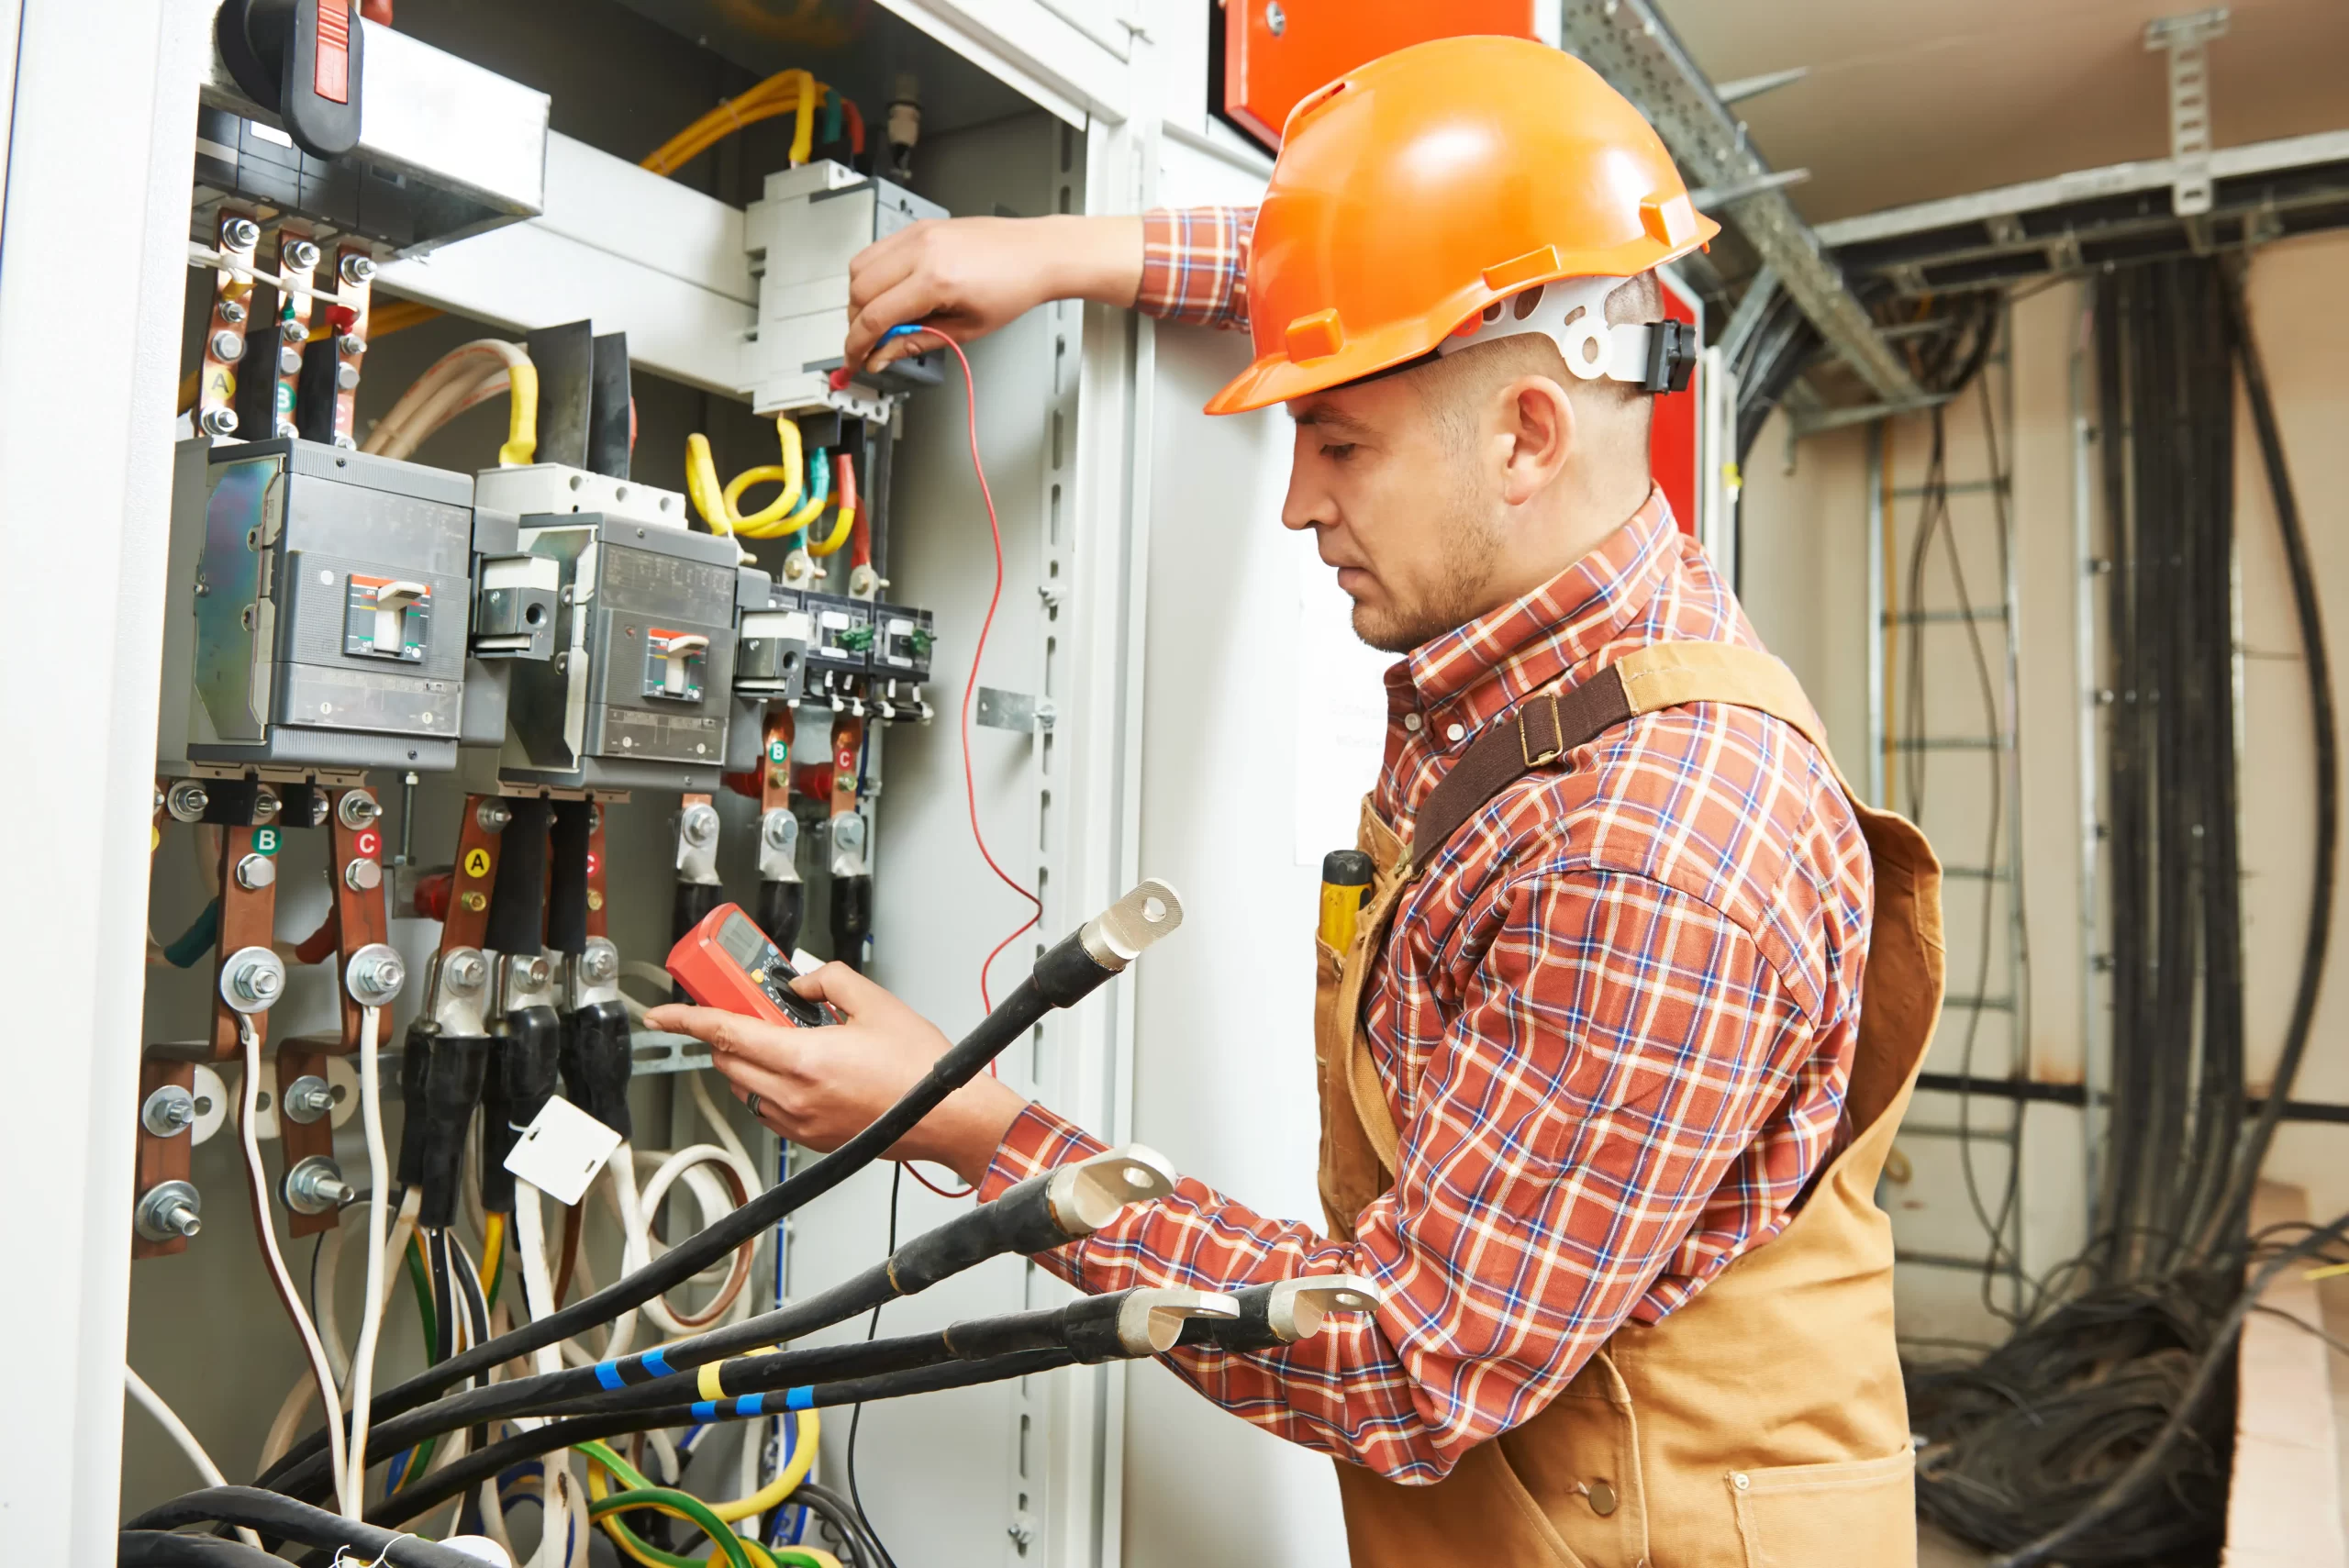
(801, 236)
(323, 609)
(771, 656)
(640, 691)
(898, 665)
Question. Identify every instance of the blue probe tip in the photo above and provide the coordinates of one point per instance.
(905, 330)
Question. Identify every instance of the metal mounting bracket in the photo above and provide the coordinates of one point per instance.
(2184, 37)
(1014, 711)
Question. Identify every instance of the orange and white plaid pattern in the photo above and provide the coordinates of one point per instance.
(1614, 1018)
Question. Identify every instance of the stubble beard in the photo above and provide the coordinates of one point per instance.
(1462, 592)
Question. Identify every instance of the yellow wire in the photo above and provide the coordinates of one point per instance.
(790, 523)
(493, 1247)
(521, 416)
(807, 1430)
(701, 483)
(785, 474)
(787, 1481)
(803, 134)
(831, 542)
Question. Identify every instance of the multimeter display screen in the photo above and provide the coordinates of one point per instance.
(742, 942)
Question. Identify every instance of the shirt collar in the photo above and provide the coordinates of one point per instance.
(1470, 674)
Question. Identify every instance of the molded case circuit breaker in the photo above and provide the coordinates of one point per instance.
(328, 594)
(640, 691)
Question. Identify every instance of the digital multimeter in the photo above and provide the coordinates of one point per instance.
(727, 963)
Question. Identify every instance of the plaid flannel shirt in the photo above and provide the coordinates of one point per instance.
(1614, 1019)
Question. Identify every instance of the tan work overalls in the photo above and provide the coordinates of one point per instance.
(1763, 1421)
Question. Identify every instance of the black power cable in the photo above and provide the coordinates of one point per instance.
(856, 1416)
(1063, 974)
(2099, 1433)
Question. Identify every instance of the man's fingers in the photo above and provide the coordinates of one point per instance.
(676, 1017)
(845, 989)
(882, 265)
(911, 302)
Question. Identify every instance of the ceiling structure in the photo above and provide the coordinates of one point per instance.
(1908, 101)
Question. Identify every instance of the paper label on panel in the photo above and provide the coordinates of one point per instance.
(1341, 712)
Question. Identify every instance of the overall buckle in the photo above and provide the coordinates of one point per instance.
(1551, 748)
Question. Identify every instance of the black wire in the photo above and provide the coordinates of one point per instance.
(162, 1548)
(856, 1416)
(284, 1518)
(847, 1522)
(316, 1247)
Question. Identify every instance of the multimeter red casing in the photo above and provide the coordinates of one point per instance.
(727, 963)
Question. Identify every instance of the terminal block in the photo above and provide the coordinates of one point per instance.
(900, 663)
(840, 652)
(640, 691)
(319, 607)
(801, 236)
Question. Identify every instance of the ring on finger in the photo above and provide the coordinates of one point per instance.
(753, 1102)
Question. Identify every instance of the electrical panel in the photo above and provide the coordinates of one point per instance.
(324, 600)
(812, 221)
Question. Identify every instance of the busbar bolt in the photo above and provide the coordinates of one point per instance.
(169, 1111)
(232, 311)
(238, 234)
(220, 420)
(346, 376)
(493, 816)
(374, 975)
(600, 962)
(251, 979)
(302, 255)
(289, 356)
(293, 334)
(362, 874)
(315, 1185)
(227, 347)
(307, 1099)
(357, 809)
(256, 871)
(358, 269)
(700, 825)
(265, 806)
(186, 801)
(350, 345)
(465, 971)
(169, 1210)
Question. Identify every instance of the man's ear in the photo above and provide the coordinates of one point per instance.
(1538, 418)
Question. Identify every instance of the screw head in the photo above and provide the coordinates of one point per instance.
(358, 269)
(493, 816)
(219, 422)
(362, 875)
(464, 972)
(292, 332)
(168, 1210)
(350, 345)
(1275, 19)
(227, 347)
(356, 808)
(251, 979)
(256, 871)
(289, 360)
(599, 963)
(169, 1111)
(476, 902)
(186, 801)
(346, 376)
(239, 233)
(306, 1098)
(700, 825)
(342, 440)
(376, 974)
(302, 255)
(232, 311)
(265, 805)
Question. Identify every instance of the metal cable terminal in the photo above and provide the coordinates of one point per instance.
(1152, 1320)
(1116, 936)
(1086, 1195)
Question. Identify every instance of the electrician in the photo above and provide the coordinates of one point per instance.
(1601, 1109)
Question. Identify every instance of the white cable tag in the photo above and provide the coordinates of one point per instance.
(561, 1151)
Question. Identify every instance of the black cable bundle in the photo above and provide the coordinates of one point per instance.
(2101, 1431)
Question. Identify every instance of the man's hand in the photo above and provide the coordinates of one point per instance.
(820, 1087)
(967, 276)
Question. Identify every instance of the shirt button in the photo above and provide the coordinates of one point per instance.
(1456, 733)
(1602, 1498)
(1412, 721)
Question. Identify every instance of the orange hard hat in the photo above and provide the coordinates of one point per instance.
(1418, 190)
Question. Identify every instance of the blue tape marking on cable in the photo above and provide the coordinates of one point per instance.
(751, 1405)
(608, 1375)
(800, 1398)
(705, 1410)
(657, 1363)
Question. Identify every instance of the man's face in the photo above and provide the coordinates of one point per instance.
(1395, 508)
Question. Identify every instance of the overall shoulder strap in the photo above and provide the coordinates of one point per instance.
(1550, 723)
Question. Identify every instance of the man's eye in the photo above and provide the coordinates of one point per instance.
(1338, 453)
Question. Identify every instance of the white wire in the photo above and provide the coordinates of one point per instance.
(636, 1242)
(714, 1202)
(264, 1223)
(324, 1272)
(379, 1211)
(538, 1295)
(169, 1419)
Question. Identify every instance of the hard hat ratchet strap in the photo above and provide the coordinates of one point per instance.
(1572, 313)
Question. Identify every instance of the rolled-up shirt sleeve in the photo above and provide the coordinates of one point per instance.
(1195, 265)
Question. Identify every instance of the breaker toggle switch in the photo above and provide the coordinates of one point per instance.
(674, 664)
(387, 617)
